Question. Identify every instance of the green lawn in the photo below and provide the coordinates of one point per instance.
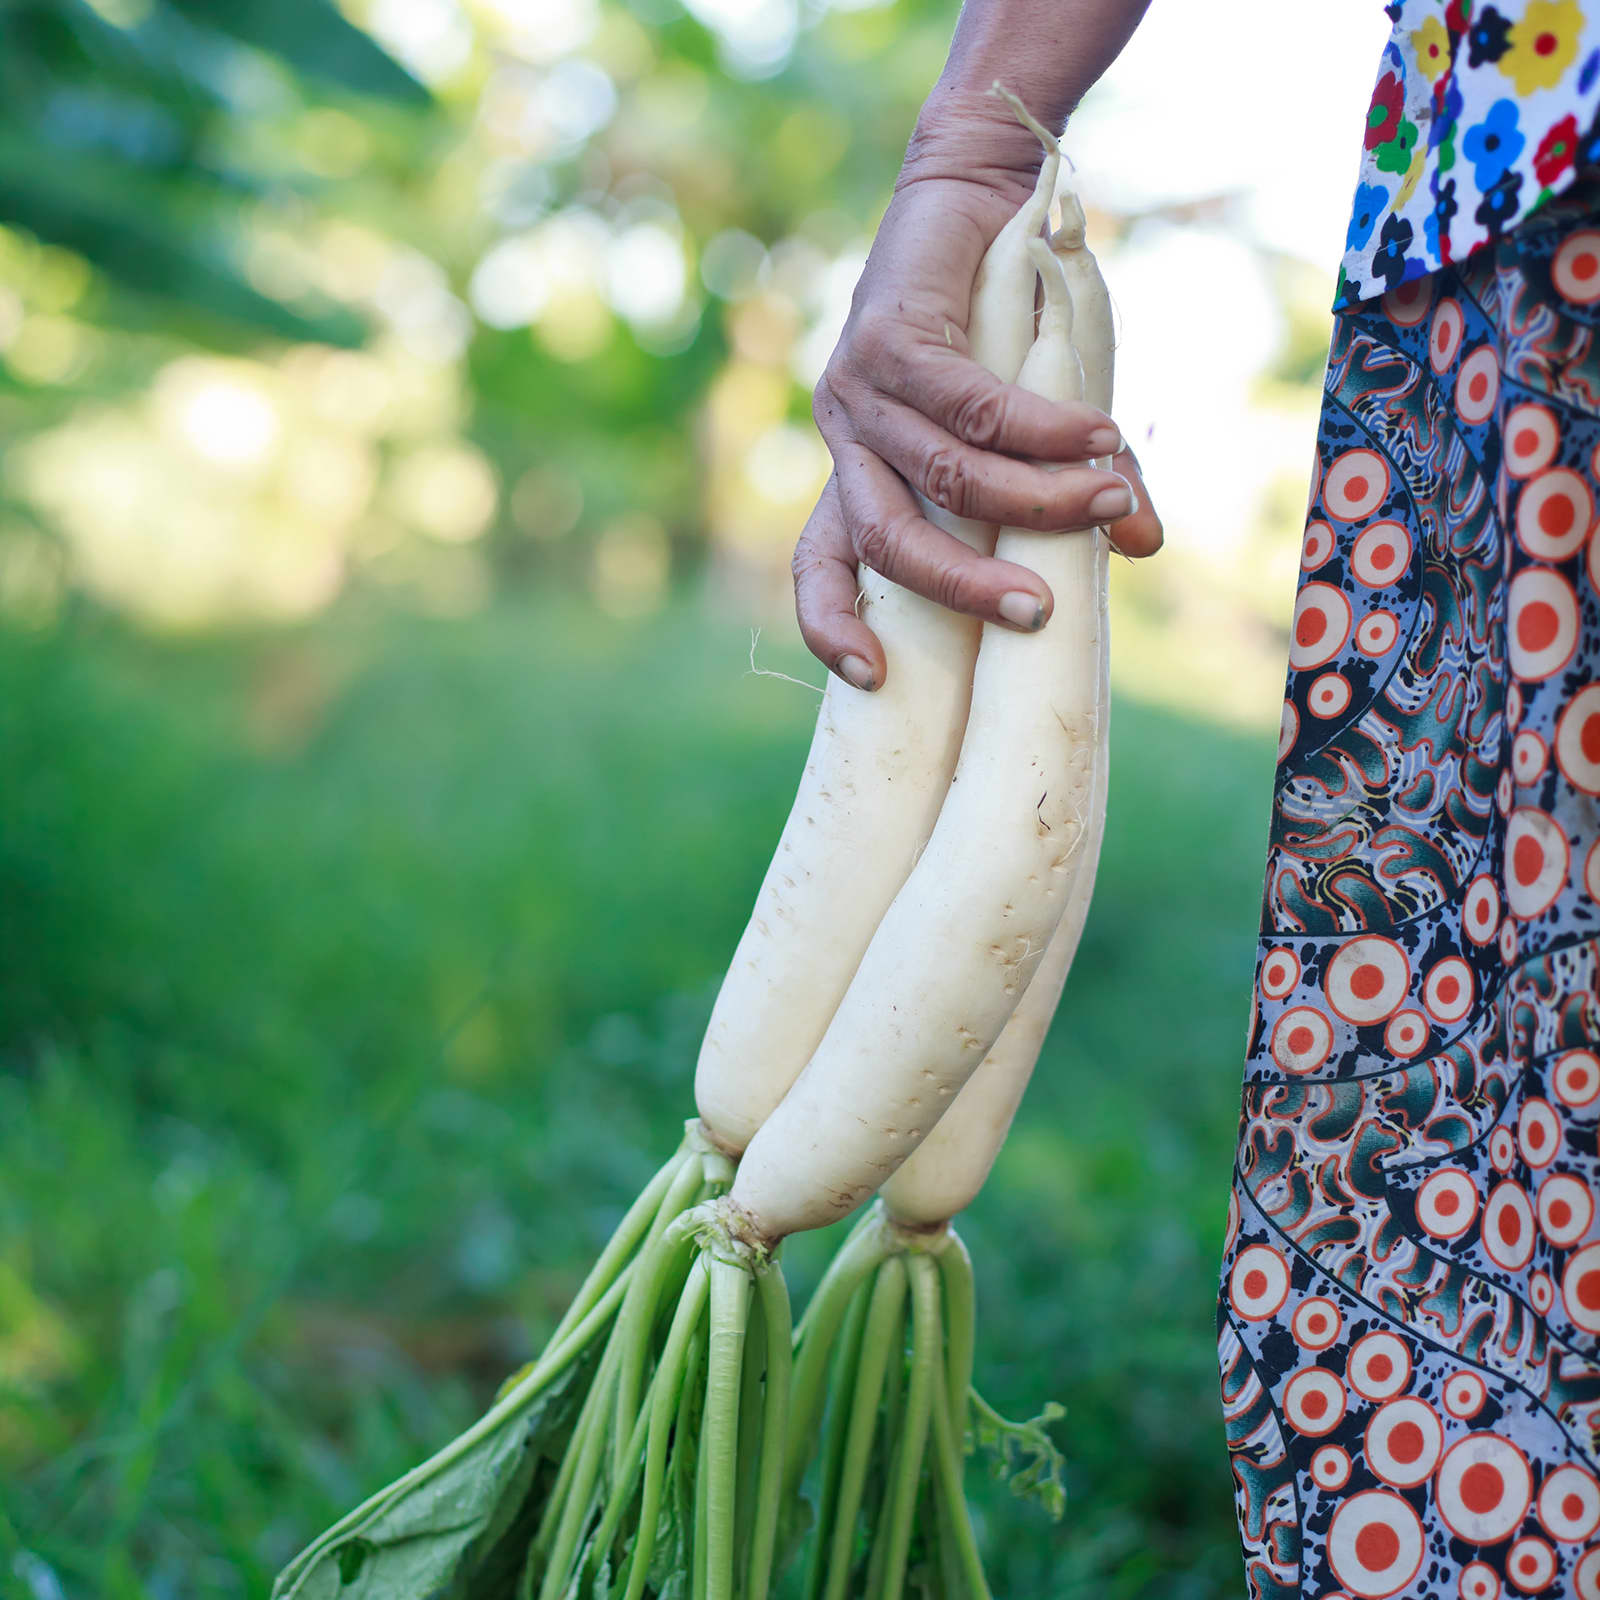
(350, 983)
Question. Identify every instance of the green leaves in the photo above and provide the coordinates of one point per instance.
(142, 148)
(1022, 1455)
(449, 1529)
(312, 37)
(123, 224)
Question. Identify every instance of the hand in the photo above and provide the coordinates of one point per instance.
(903, 405)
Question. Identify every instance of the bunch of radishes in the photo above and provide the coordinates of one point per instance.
(874, 1034)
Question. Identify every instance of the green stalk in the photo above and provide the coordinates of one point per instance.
(586, 1448)
(663, 1405)
(700, 1547)
(955, 1526)
(846, 1362)
(950, 1584)
(960, 1319)
(870, 1220)
(865, 1249)
(894, 1386)
(630, 1230)
(637, 1318)
(751, 1417)
(717, 1170)
(621, 1490)
(684, 1460)
(550, 1518)
(773, 1293)
(730, 1314)
(887, 1295)
(891, 1417)
(927, 1337)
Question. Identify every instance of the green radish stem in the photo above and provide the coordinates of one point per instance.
(636, 1221)
(891, 1414)
(622, 1489)
(556, 1502)
(944, 1545)
(960, 1322)
(868, 1221)
(894, 1384)
(584, 1460)
(836, 1431)
(663, 1405)
(911, 1437)
(572, 1500)
(639, 1308)
(730, 1311)
(863, 1251)
(751, 1419)
(888, 1293)
(955, 1526)
(773, 1294)
(700, 1547)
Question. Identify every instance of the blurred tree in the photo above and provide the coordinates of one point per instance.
(593, 253)
(114, 140)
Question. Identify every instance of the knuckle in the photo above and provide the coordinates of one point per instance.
(878, 544)
(825, 401)
(948, 481)
(871, 338)
(952, 587)
(980, 416)
(804, 561)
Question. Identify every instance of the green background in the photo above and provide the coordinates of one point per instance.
(352, 965)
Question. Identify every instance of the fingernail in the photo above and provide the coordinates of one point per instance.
(1022, 610)
(1112, 503)
(856, 671)
(1104, 442)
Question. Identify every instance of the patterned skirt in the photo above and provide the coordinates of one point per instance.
(1409, 1317)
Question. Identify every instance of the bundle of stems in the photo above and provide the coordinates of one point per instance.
(659, 1447)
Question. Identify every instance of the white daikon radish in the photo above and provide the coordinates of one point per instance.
(876, 774)
(942, 1176)
(957, 948)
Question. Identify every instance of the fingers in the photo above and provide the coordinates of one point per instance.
(890, 534)
(867, 514)
(986, 487)
(1140, 533)
(945, 385)
(825, 590)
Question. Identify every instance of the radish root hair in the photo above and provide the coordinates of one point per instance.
(768, 672)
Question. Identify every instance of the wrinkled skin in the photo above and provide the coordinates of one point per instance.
(903, 405)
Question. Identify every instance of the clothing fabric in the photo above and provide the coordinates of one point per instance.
(1409, 1315)
(1482, 114)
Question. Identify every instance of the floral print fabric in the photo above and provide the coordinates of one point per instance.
(1484, 110)
(1409, 1316)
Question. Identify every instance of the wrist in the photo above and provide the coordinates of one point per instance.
(967, 134)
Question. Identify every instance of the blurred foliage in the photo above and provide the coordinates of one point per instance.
(353, 977)
(118, 142)
(542, 305)
(352, 967)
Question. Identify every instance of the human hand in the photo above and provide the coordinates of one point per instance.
(903, 406)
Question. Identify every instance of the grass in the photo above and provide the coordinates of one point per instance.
(350, 983)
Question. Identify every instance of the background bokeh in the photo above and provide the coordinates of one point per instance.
(406, 424)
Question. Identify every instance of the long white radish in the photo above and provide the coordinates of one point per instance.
(955, 951)
(944, 1174)
(876, 774)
